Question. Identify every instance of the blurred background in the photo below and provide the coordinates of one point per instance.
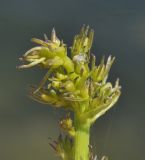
(25, 125)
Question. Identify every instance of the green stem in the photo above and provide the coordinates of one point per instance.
(81, 140)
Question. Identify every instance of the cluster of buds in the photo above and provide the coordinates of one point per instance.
(73, 82)
(66, 124)
(49, 54)
(63, 147)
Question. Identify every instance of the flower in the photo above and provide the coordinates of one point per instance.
(50, 54)
(74, 82)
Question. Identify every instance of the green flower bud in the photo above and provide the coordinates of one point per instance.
(68, 86)
(67, 126)
(83, 42)
(56, 84)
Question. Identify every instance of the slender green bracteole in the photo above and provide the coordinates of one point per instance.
(75, 83)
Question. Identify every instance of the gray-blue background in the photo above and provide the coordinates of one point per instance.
(119, 30)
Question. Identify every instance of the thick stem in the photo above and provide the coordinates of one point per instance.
(81, 140)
